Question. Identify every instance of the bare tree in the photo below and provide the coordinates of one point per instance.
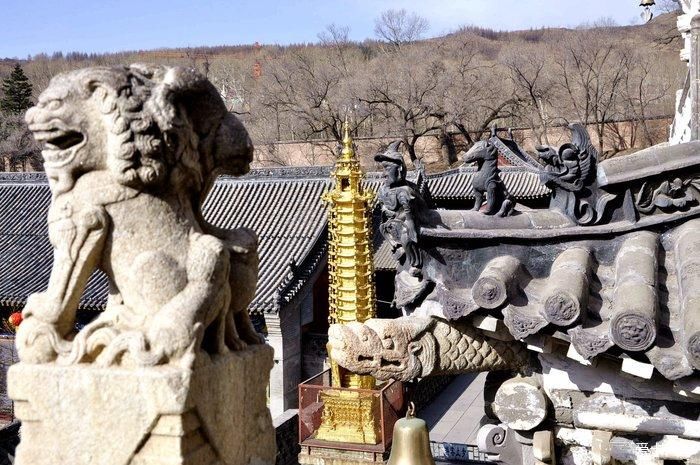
(232, 80)
(18, 150)
(399, 27)
(406, 90)
(646, 92)
(591, 74)
(197, 55)
(473, 100)
(337, 38)
(463, 83)
(312, 94)
(532, 82)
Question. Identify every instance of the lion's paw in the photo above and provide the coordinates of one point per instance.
(169, 337)
(38, 342)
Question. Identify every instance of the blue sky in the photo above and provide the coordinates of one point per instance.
(34, 26)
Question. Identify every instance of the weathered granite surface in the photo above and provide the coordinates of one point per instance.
(172, 372)
(215, 413)
(130, 153)
(408, 348)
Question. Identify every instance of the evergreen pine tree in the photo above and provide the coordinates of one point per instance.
(17, 92)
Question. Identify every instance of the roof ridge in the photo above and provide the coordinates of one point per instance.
(23, 177)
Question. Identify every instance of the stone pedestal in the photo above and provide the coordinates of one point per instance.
(215, 414)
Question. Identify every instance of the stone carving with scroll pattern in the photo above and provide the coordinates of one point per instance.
(172, 371)
(130, 154)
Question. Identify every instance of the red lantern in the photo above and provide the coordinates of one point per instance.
(15, 319)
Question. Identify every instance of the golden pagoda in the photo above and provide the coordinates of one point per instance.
(348, 415)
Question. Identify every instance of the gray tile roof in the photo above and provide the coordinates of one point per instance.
(284, 208)
(456, 184)
(25, 252)
(289, 216)
(383, 258)
(453, 184)
(282, 205)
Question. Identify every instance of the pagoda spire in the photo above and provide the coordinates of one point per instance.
(348, 151)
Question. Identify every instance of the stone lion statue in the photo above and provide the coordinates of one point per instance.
(130, 154)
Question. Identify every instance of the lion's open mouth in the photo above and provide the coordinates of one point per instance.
(65, 140)
(58, 140)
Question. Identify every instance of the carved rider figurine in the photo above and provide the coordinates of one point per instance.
(402, 207)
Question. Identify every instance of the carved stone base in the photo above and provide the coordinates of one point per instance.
(311, 455)
(215, 414)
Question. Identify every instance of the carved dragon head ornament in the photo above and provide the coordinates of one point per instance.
(387, 349)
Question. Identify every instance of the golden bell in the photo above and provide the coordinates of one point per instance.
(411, 443)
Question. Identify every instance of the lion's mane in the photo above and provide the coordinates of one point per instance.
(158, 134)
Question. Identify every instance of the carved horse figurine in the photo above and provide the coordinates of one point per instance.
(488, 180)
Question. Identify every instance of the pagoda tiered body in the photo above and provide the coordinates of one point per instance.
(351, 403)
(350, 266)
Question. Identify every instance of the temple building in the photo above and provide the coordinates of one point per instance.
(285, 207)
(583, 312)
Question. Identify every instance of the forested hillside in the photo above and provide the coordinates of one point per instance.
(452, 88)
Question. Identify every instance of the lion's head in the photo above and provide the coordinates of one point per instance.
(148, 125)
